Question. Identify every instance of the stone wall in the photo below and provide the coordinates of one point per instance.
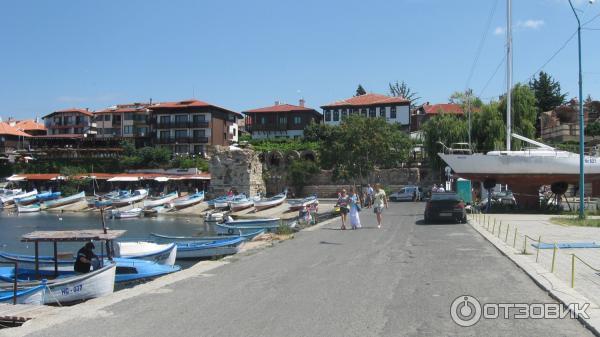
(240, 169)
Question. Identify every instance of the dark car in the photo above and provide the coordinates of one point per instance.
(445, 205)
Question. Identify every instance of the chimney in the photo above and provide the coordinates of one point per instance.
(301, 102)
(276, 102)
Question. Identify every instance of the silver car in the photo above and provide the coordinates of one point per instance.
(407, 193)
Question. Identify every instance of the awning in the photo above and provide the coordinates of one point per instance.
(15, 178)
(124, 179)
(161, 179)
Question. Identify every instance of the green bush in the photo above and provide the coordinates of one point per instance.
(299, 172)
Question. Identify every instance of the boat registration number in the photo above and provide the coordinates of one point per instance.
(445, 214)
(72, 290)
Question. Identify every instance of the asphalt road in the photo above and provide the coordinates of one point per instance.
(396, 281)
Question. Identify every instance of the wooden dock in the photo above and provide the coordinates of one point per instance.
(17, 314)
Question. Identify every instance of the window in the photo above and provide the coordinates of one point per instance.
(107, 117)
(344, 113)
(199, 149)
(263, 120)
(363, 112)
(327, 115)
(128, 116)
(336, 115)
(382, 112)
(199, 118)
(182, 148)
(393, 112)
(141, 131)
(165, 119)
(199, 133)
(116, 119)
(165, 134)
(180, 134)
(297, 120)
(181, 118)
(372, 112)
(283, 120)
(127, 129)
(68, 120)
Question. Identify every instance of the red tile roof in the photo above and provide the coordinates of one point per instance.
(76, 110)
(281, 108)
(191, 103)
(368, 99)
(6, 129)
(29, 125)
(449, 108)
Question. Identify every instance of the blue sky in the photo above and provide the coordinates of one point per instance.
(247, 54)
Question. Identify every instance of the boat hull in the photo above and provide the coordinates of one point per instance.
(64, 201)
(196, 250)
(163, 254)
(151, 203)
(31, 296)
(28, 209)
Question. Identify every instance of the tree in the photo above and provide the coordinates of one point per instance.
(403, 90)
(360, 91)
(464, 98)
(299, 172)
(444, 128)
(593, 129)
(488, 128)
(524, 111)
(547, 95)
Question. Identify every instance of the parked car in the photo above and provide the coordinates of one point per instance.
(407, 193)
(445, 205)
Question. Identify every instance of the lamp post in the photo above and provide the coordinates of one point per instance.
(581, 126)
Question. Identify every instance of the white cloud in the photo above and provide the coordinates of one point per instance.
(531, 24)
(499, 31)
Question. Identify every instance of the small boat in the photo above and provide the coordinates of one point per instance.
(25, 200)
(248, 236)
(28, 208)
(273, 201)
(188, 200)
(10, 198)
(127, 199)
(127, 269)
(296, 205)
(9, 191)
(241, 203)
(69, 287)
(200, 249)
(159, 253)
(211, 203)
(48, 196)
(64, 201)
(33, 295)
(99, 203)
(245, 226)
(213, 217)
(158, 210)
(160, 200)
(130, 213)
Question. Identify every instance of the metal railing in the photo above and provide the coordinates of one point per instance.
(16, 265)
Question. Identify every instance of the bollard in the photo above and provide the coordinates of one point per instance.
(537, 253)
(494, 228)
(525, 244)
(515, 239)
(506, 237)
(553, 258)
(499, 229)
(572, 270)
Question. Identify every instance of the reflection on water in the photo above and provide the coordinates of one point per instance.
(14, 225)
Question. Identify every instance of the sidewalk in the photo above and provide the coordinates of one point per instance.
(516, 235)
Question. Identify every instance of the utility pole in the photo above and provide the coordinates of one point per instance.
(509, 59)
(468, 94)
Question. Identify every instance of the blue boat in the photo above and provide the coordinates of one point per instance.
(231, 227)
(45, 196)
(197, 249)
(128, 270)
(211, 203)
(248, 236)
(188, 200)
(33, 295)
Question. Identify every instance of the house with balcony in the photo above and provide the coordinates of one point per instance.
(125, 121)
(280, 120)
(426, 111)
(30, 126)
(12, 139)
(72, 121)
(188, 127)
(393, 109)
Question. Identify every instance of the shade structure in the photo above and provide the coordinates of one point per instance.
(129, 178)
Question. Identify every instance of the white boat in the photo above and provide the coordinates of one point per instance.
(9, 191)
(28, 208)
(136, 196)
(302, 203)
(217, 247)
(130, 213)
(241, 204)
(63, 201)
(158, 209)
(10, 198)
(160, 200)
(222, 203)
(273, 201)
(188, 200)
(32, 295)
(159, 253)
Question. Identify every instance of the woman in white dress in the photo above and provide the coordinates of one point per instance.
(354, 209)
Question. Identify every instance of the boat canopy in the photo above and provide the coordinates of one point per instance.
(74, 235)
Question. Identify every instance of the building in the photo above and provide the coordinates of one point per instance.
(125, 121)
(188, 127)
(11, 138)
(29, 126)
(280, 120)
(423, 113)
(393, 109)
(72, 121)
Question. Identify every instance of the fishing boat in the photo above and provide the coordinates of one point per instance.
(32, 295)
(28, 208)
(211, 203)
(273, 201)
(25, 200)
(158, 210)
(9, 191)
(188, 200)
(241, 203)
(10, 198)
(63, 201)
(127, 199)
(160, 200)
(220, 247)
(127, 269)
(246, 226)
(159, 253)
(296, 205)
(48, 196)
(125, 214)
(248, 236)
(44, 196)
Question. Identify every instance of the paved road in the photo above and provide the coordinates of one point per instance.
(396, 281)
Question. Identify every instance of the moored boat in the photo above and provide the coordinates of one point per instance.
(125, 214)
(127, 199)
(188, 200)
(159, 253)
(248, 236)
(63, 201)
(241, 203)
(32, 295)
(10, 197)
(296, 205)
(220, 247)
(160, 200)
(246, 226)
(28, 208)
(273, 201)
(48, 196)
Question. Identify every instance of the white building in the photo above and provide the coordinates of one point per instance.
(393, 109)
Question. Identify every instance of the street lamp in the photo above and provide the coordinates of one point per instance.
(581, 126)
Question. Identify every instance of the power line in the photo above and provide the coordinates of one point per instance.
(493, 75)
(481, 43)
(563, 46)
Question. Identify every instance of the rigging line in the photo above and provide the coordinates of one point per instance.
(563, 46)
(590, 20)
(481, 43)
(493, 75)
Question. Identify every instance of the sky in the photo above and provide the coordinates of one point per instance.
(245, 54)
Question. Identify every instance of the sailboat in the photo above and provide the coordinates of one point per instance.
(524, 170)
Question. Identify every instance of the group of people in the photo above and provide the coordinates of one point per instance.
(351, 204)
(437, 188)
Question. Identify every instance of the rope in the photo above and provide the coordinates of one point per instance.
(52, 294)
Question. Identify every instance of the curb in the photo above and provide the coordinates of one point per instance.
(547, 281)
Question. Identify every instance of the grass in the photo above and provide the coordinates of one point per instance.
(576, 222)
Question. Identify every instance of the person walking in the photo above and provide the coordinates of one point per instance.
(354, 209)
(369, 196)
(380, 201)
(343, 202)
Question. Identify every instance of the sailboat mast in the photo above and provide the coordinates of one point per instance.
(509, 80)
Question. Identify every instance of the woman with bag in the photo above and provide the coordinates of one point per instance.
(354, 209)
(343, 202)
(380, 201)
